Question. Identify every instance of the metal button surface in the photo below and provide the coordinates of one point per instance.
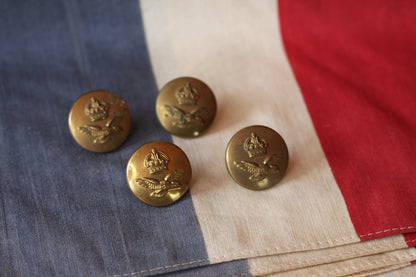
(158, 173)
(186, 107)
(99, 121)
(257, 157)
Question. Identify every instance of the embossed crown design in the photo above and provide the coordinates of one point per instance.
(156, 161)
(255, 145)
(96, 109)
(187, 95)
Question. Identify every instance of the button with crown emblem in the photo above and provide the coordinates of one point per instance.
(158, 173)
(257, 157)
(99, 121)
(186, 107)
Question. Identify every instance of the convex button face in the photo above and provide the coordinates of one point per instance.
(257, 157)
(186, 107)
(158, 173)
(99, 121)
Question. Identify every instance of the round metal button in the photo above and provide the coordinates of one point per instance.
(257, 157)
(99, 121)
(186, 107)
(158, 173)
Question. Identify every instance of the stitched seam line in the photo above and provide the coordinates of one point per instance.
(272, 251)
(309, 261)
(362, 266)
(389, 230)
(390, 268)
(241, 274)
(269, 251)
(359, 266)
(160, 268)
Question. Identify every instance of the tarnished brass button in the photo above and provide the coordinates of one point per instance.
(99, 121)
(257, 157)
(186, 107)
(158, 173)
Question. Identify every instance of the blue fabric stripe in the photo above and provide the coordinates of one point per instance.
(237, 268)
(63, 210)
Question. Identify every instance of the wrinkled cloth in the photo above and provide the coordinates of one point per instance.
(335, 80)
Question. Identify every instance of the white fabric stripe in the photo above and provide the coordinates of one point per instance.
(406, 269)
(382, 270)
(235, 47)
(361, 266)
(290, 261)
(398, 270)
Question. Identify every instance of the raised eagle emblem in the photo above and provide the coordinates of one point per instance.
(102, 134)
(259, 171)
(161, 187)
(184, 119)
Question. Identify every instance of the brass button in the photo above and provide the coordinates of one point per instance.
(158, 173)
(99, 121)
(186, 107)
(257, 157)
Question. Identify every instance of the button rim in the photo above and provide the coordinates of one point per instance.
(72, 127)
(184, 156)
(211, 121)
(228, 164)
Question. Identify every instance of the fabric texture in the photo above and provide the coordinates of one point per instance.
(66, 211)
(358, 83)
(335, 80)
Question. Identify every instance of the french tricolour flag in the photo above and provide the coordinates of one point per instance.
(335, 78)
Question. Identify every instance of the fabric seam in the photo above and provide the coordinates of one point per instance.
(160, 268)
(267, 251)
(389, 230)
(308, 261)
(358, 266)
(362, 266)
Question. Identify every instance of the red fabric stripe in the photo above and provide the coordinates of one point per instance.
(355, 62)
(410, 239)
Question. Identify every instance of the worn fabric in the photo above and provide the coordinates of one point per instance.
(339, 93)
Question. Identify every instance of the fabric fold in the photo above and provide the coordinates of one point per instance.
(336, 81)
(365, 266)
(290, 261)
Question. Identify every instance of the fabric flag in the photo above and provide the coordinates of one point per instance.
(335, 79)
